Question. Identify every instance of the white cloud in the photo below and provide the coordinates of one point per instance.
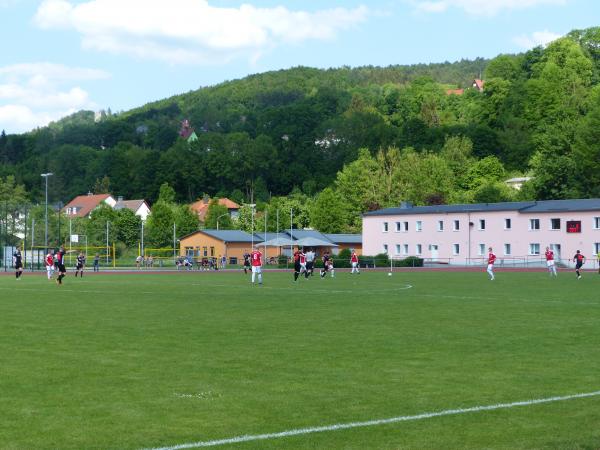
(32, 95)
(535, 39)
(191, 31)
(480, 7)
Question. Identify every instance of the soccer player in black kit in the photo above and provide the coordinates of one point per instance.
(80, 264)
(18, 263)
(60, 259)
(579, 260)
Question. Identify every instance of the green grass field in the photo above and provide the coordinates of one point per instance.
(144, 361)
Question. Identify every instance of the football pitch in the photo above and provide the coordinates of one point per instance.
(186, 360)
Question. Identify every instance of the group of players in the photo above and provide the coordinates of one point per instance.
(54, 262)
(304, 263)
(578, 259)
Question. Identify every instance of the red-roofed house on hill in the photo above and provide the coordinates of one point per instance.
(478, 84)
(201, 207)
(455, 91)
(83, 205)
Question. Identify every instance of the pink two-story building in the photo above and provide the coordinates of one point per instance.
(518, 232)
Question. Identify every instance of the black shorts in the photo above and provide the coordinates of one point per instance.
(18, 265)
(79, 267)
(310, 265)
(61, 268)
(296, 266)
(578, 266)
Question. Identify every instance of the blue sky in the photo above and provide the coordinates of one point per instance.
(60, 56)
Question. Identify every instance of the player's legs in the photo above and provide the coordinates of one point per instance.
(259, 272)
(490, 271)
(296, 270)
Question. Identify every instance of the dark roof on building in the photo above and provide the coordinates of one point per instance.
(345, 238)
(523, 207)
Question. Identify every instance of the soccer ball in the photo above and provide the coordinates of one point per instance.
(389, 274)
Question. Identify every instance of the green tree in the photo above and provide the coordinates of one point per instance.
(331, 214)
(217, 214)
(128, 227)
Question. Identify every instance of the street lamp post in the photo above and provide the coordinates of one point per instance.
(46, 175)
(252, 205)
(222, 215)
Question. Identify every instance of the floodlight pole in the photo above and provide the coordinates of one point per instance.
(46, 175)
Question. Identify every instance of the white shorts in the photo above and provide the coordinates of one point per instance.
(354, 265)
(256, 269)
(302, 267)
(490, 267)
(550, 262)
(49, 269)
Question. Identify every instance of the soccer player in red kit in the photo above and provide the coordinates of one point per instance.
(550, 261)
(256, 261)
(491, 261)
(49, 264)
(354, 262)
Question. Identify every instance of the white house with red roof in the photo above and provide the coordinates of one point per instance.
(83, 205)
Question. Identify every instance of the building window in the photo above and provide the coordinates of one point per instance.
(405, 226)
(597, 248)
(385, 248)
(507, 224)
(534, 249)
(534, 224)
(482, 224)
(212, 251)
(189, 251)
(440, 225)
(456, 225)
(507, 249)
(385, 227)
(419, 225)
(397, 249)
(481, 249)
(204, 251)
(597, 223)
(419, 249)
(555, 224)
(405, 249)
(398, 226)
(456, 249)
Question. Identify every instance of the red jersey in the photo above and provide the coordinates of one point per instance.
(549, 255)
(49, 260)
(256, 258)
(491, 258)
(302, 258)
(354, 258)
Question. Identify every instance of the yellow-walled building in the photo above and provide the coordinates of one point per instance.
(232, 244)
(217, 243)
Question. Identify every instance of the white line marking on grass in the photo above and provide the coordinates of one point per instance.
(296, 288)
(370, 423)
(61, 289)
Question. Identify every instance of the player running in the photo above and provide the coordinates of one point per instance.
(327, 265)
(18, 263)
(60, 260)
(246, 262)
(550, 262)
(310, 262)
(49, 264)
(80, 264)
(256, 259)
(579, 261)
(354, 263)
(491, 261)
